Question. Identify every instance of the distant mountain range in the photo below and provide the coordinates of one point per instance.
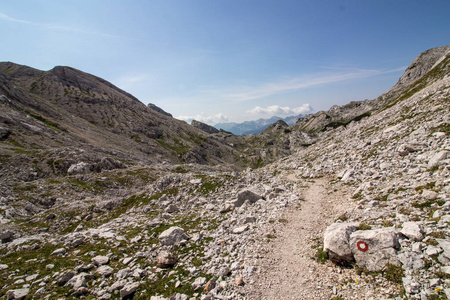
(254, 127)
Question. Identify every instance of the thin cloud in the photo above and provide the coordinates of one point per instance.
(302, 82)
(11, 19)
(276, 110)
(50, 26)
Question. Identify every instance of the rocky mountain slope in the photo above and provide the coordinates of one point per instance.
(371, 177)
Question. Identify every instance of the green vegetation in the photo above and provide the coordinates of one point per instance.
(387, 223)
(321, 256)
(49, 124)
(393, 273)
(428, 186)
(364, 226)
(176, 146)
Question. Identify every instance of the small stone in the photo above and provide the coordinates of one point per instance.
(198, 283)
(166, 260)
(413, 231)
(129, 289)
(127, 260)
(59, 252)
(172, 236)
(239, 281)
(433, 251)
(65, 277)
(31, 277)
(105, 271)
(77, 281)
(6, 236)
(210, 285)
(18, 294)
(100, 260)
(136, 239)
(241, 229)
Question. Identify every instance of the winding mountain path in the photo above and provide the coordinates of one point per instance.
(288, 270)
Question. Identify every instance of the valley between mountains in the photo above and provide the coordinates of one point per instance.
(103, 197)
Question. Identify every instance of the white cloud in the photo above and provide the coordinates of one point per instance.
(211, 120)
(281, 111)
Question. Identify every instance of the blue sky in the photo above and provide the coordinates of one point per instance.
(229, 60)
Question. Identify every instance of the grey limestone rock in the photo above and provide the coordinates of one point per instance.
(17, 294)
(373, 249)
(105, 271)
(336, 242)
(413, 231)
(129, 289)
(65, 277)
(172, 236)
(166, 260)
(100, 260)
(79, 168)
(77, 281)
(437, 159)
(252, 195)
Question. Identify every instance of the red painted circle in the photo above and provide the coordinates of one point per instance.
(362, 246)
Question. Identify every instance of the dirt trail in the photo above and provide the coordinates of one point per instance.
(287, 269)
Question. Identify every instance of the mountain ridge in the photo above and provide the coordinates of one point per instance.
(256, 126)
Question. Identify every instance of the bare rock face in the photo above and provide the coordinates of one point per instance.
(172, 236)
(373, 249)
(422, 64)
(205, 127)
(336, 242)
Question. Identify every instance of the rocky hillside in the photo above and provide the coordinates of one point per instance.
(65, 121)
(372, 177)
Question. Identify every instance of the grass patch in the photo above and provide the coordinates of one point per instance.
(428, 186)
(321, 256)
(49, 124)
(393, 273)
(364, 226)
(387, 223)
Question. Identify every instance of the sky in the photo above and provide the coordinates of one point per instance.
(229, 60)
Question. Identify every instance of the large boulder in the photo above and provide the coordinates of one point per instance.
(172, 236)
(336, 242)
(373, 249)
